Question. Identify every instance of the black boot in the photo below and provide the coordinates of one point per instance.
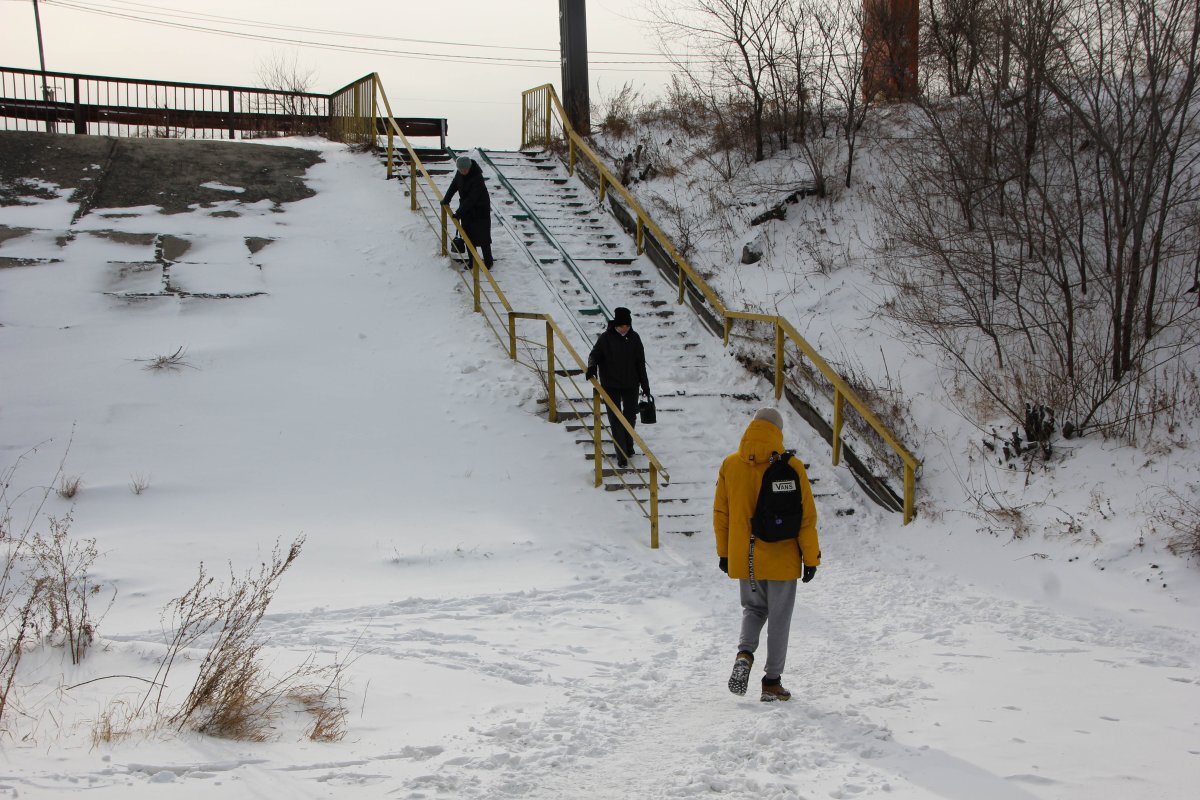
(740, 677)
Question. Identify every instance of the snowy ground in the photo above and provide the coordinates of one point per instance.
(512, 635)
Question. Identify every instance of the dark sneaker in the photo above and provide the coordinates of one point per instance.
(622, 461)
(740, 677)
(772, 690)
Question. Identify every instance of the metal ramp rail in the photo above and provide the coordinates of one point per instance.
(700, 418)
(544, 124)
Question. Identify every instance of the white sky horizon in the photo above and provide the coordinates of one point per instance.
(480, 98)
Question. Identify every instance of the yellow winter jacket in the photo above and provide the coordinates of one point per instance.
(737, 493)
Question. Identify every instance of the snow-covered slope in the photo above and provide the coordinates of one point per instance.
(509, 632)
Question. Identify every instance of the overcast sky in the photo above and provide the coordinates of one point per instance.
(410, 42)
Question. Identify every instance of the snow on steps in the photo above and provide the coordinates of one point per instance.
(550, 229)
(689, 371)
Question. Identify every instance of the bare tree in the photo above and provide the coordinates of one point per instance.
(291, 80)
(1051, 209)
(739, 39)
(1128, 79)
(955, 35)
(839, 25)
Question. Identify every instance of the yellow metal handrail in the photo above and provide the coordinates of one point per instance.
(352, 112)
(481, 276)
(540, 110)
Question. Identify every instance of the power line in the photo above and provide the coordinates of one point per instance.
(415, 55)
(187, 14)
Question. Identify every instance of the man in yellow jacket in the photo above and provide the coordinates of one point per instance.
(766, 571)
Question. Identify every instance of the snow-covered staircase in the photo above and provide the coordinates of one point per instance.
(560, 236)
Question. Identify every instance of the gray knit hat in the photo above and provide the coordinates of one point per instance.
(770, 415)
(463, 162)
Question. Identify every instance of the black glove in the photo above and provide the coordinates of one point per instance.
(809, 574)
(591, 373)
(646, 391)
(723, 564)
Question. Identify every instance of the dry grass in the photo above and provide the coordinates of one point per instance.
(1010, 519)
(1180, 513)
(326, 708)
(618, 112)
(45, 586)
(234, 696)
(114, 723)
(139, 483)
(61, 567)
(173, 361)
(68, 487)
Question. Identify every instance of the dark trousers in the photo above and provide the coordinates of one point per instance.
(627, 399)
(480, 233)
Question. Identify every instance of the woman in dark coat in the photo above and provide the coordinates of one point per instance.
(474, 206)
(621, 361)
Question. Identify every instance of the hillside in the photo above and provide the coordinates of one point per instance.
(505, 631)
(1106, 502)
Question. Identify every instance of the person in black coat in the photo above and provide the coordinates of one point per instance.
(621, 361)
(474, 206)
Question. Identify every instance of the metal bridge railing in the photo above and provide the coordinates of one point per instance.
(542, 354)
(544, 123)
(65, 102)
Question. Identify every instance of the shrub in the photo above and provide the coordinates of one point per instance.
(1180, 513)
(233, 695)
(69, 487)
(45, 588)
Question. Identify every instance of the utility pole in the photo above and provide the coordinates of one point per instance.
(37, 20)
(572, 21)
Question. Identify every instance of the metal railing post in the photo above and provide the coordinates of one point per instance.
(524, 120)
(910, 479)
(551, 393)
(653, 506)
(682, 278)
(412, 185)
(546, 105)
(778, 360)
(390, 151)
(728, 321)
(571, 159)
(512, 336)
(374, 110)
(603, 184)
(837, 426)
(357, 107)
(596, 436)
(445, 226)
(80, 122)
(232, 117)
(641, 236)
(475, 271)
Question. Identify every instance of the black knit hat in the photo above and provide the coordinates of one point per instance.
(621, 316)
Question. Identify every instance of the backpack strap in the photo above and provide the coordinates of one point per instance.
(784, 456)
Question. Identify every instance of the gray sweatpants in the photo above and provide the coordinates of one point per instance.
(772, 606)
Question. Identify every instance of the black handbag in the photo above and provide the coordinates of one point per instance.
(646, 411)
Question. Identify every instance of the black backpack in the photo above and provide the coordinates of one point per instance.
(780, 507)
